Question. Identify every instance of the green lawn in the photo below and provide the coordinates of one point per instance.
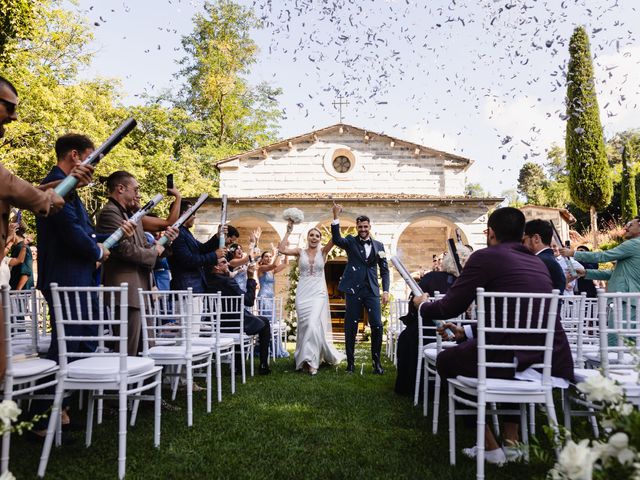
(287, 425)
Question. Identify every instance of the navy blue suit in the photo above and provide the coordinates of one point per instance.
(555, 270)
(359, 283)
(189, 259)
(67, 254)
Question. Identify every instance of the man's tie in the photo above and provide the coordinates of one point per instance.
(365, 242)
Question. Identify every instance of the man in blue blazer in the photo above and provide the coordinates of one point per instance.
(191, 259)
(68, 248)
(359, 283)
(69, 252)
(537, 238)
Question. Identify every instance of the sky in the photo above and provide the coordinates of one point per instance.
(484, 79)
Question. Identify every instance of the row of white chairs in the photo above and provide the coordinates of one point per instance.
(397, 308)
(273, 309)
(180, 332)
(602, 334)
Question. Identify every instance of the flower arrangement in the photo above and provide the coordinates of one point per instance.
(616, 454)
(293, 215)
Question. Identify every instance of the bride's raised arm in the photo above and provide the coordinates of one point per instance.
(327, 248)
(282, 246)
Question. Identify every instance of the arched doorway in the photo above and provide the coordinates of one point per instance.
(422, 240)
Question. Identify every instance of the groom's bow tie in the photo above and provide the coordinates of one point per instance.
(365, 242)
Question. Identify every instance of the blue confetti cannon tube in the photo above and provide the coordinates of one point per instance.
(115, 237)
(185, 216)
(122, 131)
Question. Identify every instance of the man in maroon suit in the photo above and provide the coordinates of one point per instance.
(505, 266)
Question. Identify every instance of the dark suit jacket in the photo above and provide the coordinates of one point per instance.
(67, 244)
(555, 270)
(189, 259)
(67, 254)
(228, 287)
(132, 260)
(360, 270)
(508, 267)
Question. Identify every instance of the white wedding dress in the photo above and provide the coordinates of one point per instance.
(314, 340)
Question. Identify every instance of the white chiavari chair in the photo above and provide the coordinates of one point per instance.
(167, 322)
(522, 317)
(25, 373)
(89, 321)
(232, 326)
(223, 349)
(397, 309)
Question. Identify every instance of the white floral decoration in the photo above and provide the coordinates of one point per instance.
(576, 461)
(294, 215)
(600, 389)
(382, 254)
(7, 476)
(9, 412)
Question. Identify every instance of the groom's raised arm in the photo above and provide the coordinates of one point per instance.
(336, 238)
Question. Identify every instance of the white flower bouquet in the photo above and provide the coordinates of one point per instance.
(293, 215)
(615, 454)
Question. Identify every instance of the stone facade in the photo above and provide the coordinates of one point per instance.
(414, 195)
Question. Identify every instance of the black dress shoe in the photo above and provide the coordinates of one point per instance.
(264, 370)
(377, 369)
(350, 368)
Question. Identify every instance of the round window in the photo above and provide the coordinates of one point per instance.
(342, 164)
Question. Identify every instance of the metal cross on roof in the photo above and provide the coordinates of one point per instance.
(339, 103)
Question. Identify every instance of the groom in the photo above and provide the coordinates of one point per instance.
(360, 285)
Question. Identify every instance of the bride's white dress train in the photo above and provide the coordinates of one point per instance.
(314, 340)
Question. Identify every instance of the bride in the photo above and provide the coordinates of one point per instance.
(313, 344)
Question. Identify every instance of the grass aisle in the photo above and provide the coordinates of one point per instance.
(287, 425)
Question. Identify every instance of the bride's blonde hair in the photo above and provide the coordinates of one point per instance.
(316, 229)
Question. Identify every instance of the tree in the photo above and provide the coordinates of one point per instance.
(532, 182)
(476, 190)
(54, 101)
(590, 183)
(511, 197)
(16, 22)
(628, 185)
(232, 116)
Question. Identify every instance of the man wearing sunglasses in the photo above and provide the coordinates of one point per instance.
(15, 191)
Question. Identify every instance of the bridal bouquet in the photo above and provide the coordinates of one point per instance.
(293, 215)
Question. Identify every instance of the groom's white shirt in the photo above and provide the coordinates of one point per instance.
(367, 246)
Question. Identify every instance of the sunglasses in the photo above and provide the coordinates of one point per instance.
(10, 106)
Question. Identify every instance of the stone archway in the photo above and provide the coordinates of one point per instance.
(423, 238)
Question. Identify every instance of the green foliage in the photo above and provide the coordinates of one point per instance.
(232, 115)
(512, 197)
(532, 182)
(170, 138)
(628, 199)
(476, 190)
(16, 22)
(590, 182)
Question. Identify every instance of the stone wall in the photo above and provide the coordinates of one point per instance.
(380, 166)
(413, 230)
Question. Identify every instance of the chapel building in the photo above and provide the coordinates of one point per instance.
(414, 195)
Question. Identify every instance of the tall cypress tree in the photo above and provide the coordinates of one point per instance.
(628, 201)
(590, 183)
